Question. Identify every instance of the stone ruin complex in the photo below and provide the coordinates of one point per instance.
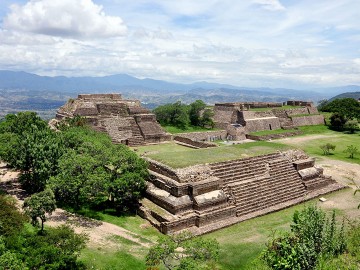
(203, 198)
(124, 120)
(239, 120)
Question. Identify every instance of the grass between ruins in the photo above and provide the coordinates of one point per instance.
(270, 108)
(177, 156)
(268, 132)
(176, 130)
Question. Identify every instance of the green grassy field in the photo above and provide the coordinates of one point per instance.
(176, 130)
(268, 109)
(179, 156)
(268, 132)
(340, 139)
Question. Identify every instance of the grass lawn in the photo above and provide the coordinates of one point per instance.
(179, 156)
(340, 139)
(176, 130)
(268, 132)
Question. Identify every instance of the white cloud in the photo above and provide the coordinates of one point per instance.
(66, 18)
(274, 5)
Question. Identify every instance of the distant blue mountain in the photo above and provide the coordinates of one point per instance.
(123, 83)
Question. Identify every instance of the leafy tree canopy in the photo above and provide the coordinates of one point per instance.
(348, 107)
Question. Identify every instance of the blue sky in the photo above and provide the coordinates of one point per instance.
(257, 43)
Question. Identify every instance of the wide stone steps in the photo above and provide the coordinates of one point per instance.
(242, 162)
(259, 205)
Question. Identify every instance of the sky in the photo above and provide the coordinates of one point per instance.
(256, 43)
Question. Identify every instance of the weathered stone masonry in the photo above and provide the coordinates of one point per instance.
(124, 120)
(207, 197)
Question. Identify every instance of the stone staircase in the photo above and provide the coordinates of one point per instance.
(257, 183)
(137, 139)
(285, 120)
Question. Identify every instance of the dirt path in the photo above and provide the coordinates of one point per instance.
(100, 233)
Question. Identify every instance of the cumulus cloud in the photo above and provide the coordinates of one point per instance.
(65, 18)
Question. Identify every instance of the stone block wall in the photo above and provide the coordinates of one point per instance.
(313, 110)
(194, 144)
(308, 120)
(297, 111)
(236, 133)
(262, 124)
(205, 135)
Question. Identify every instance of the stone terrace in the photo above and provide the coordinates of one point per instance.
(124, 120)
(207, 197)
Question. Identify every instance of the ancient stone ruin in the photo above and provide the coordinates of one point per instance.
(126, 121)
(239, 120)
(203, 198)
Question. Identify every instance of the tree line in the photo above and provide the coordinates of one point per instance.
(181, 115)
(345, 113)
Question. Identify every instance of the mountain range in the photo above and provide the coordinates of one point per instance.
(26, 91)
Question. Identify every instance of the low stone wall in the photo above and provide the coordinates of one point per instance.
(299, 103)
(262, 124)
(272, 136)
(246, 115)
(162, 169)
(308, 120)
(192, 143)
(313, 110)
(204, 136)
(235, 133)
(297, 111)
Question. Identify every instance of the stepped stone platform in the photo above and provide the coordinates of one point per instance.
(123, 119)
(203, 198)
(239, 119)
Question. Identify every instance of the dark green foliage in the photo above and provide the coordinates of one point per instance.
(348, 107)
(312, 237)
(29, 145)
(95, 171)
(57, 248)
(327, 148)
(207, 118)
(11, 220)
(181, 115)
(176, 114)
(183, 251)
(337, 121)
(38, 205)
(195, 112)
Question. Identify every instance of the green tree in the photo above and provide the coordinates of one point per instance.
(207, 118)
(327, 148)
(57, 248)
(352, 150)
(348, 107)
(195, 112)
(176, 114)
(351, 125)
(38, 205)
(337, 121)
(183, 251)
(81, 179)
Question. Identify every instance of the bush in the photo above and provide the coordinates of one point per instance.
(312, 236)
(327, 148)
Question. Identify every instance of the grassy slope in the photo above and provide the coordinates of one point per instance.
(176, 130)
